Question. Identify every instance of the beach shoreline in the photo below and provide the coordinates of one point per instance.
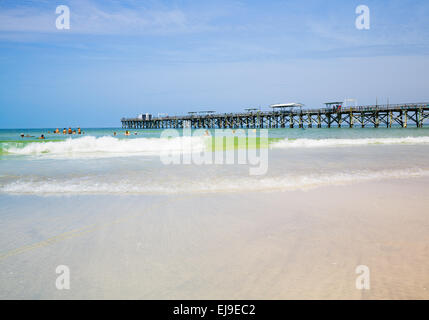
(279, 245)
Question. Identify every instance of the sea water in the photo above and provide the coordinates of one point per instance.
(99, 162)
(128, 225)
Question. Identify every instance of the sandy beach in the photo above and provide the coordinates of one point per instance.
(282, 245)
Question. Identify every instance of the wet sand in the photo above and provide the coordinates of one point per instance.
(284, 245)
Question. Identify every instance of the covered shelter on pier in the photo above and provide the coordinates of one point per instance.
(251, 110)
(335, 106)
(286, 106)
(207, 112)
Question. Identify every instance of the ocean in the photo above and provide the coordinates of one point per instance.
(128, 223)
(100, 163)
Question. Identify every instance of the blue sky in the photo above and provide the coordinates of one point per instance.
(121, 58)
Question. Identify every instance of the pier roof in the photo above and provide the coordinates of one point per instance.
(329, 103)
(287, 105)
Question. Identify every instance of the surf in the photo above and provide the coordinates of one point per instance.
(322, 143)
(105, 146)
(136, 184)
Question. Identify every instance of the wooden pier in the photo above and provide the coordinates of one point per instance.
(404, 115)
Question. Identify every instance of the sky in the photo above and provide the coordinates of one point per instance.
(122, 58)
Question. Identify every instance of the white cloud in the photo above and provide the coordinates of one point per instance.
(87, 18)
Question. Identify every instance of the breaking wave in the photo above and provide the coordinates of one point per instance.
(106, 147)
(320, 143)
(131, 185)
(113, 147)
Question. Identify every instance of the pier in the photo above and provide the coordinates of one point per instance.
(288, 116)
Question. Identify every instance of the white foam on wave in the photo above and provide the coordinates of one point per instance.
(93, 185)
(109, 146)
(320, 143)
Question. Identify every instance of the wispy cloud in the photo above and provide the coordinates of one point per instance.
(224, 30)
(90, 18)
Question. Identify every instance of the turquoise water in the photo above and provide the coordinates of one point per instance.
(98, 162)
(12, 137)
(311, 133)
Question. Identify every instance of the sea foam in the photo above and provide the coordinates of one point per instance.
(108, 147)
(321, 143)
(131, 185)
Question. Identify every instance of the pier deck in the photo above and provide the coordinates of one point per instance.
(405, 115)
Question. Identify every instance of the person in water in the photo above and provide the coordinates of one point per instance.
(114, 133)
(70, 131)
(42, 137)
(78, 131)
(127, 133)
(57, 131)
(64, 131)
(22, 135)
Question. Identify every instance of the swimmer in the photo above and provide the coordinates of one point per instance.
(74, 131)
(41, 137)
(64, 131)
(114, 133)
(79, 131)
(70, 131)
(22, 135)
(127, 133)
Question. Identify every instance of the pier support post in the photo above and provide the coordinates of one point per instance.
(405, 121)
(419, 118)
